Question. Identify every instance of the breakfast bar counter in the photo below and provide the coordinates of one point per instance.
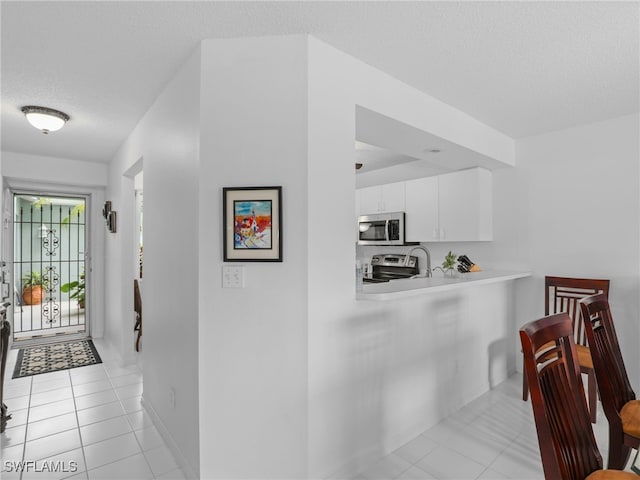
(401, 288)
(409, 352)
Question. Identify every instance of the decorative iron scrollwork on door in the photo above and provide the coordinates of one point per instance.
(50, 306)
(50, 242)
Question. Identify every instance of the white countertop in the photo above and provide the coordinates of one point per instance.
(420, 286)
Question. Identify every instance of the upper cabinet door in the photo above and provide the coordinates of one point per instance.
(393, 197)
(381, 198)
(421, 199)
(370, 199)
(466, 204)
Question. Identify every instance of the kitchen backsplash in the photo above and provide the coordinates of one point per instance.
(438, 251)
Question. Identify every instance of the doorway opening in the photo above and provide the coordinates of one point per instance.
(49, 268)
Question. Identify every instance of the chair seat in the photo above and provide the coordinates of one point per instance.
(630, 415)
(584, 356)
(612, 475)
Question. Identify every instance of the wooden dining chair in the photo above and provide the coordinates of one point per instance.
(568, 448)
(616, 394)
(563, 294)
(5, 331)
(137, 307)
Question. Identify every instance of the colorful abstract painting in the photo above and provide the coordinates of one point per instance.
(252, 224)
(252, 220)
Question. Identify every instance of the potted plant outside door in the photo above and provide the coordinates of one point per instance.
(33, 284)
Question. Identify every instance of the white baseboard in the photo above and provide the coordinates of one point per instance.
(354, 465)
(168, 440)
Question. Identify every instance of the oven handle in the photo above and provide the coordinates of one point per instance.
(387, 230)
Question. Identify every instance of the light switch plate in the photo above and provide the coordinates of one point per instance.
(232, 276)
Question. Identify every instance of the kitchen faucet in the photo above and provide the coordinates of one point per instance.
(427, 253)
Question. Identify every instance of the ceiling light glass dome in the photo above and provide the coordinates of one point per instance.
(45, 119)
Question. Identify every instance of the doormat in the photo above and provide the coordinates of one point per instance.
(54, 357)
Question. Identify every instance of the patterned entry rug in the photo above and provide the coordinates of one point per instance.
(54, 357)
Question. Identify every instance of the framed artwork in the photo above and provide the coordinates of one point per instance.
(252, 224)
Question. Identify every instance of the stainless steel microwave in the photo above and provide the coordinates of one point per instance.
(381, 229)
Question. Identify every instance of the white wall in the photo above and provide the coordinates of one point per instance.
(253, 351)
(60, 175)
(372, 384)
(53, 170)
(276, 384)
(295, 377)
(577, 214)
(274, 395)
(166, 141)
(4, 254)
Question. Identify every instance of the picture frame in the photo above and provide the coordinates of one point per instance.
(252, 224)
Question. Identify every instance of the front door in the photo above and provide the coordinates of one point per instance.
(49, 275)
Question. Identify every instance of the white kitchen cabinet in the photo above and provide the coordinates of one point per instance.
(465, 205)
(454, 207)
(381, 198)
(421, 208)
(369, 199)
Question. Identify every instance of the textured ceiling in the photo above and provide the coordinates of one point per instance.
(522, 67)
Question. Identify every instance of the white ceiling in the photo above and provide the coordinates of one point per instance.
(522, 67)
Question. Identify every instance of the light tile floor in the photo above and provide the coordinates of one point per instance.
(92, 416)
(83, 423)
(493, 437)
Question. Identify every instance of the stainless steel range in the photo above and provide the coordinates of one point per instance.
(385, 267)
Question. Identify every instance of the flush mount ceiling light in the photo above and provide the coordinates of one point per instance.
(45, 119)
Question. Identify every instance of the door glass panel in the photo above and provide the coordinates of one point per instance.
(49, 266)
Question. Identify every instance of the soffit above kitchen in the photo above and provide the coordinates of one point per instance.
(523, 68)
(392, 151)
